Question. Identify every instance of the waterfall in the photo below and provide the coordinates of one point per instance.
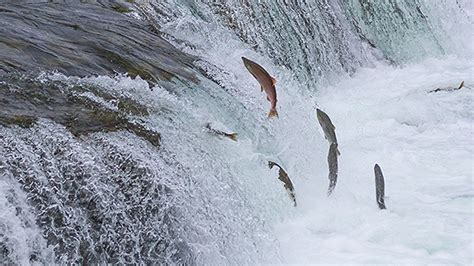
(104, 154)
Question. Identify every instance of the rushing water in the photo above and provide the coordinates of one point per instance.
(104, 156)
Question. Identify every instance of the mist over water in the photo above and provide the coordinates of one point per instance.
(104, 157)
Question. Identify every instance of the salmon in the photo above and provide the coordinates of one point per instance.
(283, 177)
(232, 136)
(379, 187)
(267, 84)
(328, 128)
(332, 163)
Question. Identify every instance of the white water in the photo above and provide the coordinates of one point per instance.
(233, 209)
(424, 144)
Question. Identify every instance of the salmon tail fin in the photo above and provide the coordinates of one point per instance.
(232, 136)
(461, 85)
(273, 112)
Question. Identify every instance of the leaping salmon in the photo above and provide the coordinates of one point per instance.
(328, 128)
(267, 83)
(232, 136)
(379, 187)
(283, 176)
(450, 88)
(332, 164)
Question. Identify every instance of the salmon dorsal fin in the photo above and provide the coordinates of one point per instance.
(273, 81)
(261, 88)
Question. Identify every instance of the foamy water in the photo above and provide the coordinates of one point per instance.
(424, 144)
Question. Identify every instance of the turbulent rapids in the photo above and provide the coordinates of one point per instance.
(114, 118)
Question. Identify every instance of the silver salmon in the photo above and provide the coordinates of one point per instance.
(332, 163)
(449, 88)
(232, 136)
(283, 177)
(379, 187)
(328, 128)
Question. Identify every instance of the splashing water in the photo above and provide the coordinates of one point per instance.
(196, 199)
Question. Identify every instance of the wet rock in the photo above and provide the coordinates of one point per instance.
(23, 121)
(84, 39)
(25, 100)
(124, 104)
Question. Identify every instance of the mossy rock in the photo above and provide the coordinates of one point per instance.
(102, 119)
(121, 9)
(131, 107)
(23, 121)
(28, 99)
(131, 68)
(126, 105)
